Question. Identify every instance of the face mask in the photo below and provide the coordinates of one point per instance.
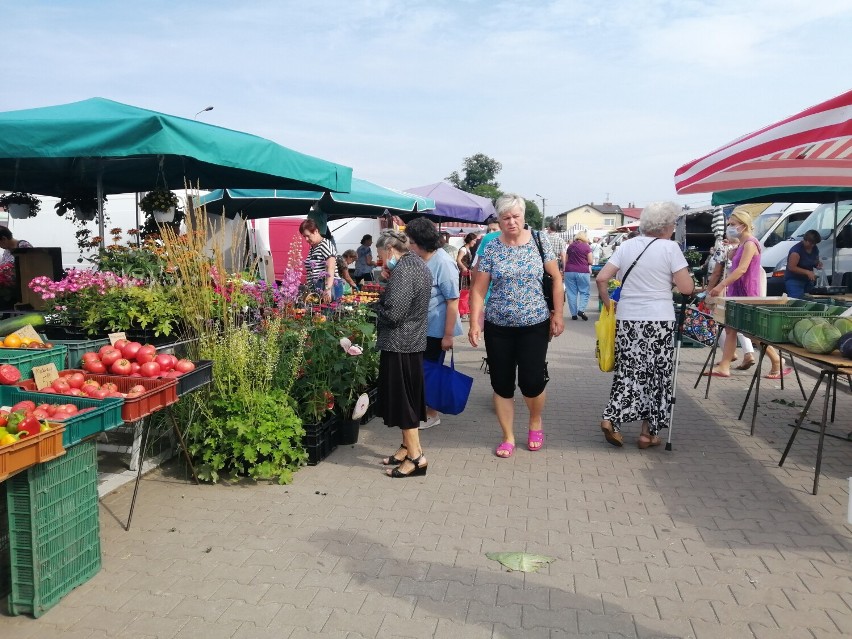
(732, 232)
(392, 262)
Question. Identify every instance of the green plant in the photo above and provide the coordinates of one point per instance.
(158, 200)
(152, 306)
(84, 201)
(21, 198)
(693, 257)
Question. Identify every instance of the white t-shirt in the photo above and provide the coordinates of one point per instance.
(647, 293)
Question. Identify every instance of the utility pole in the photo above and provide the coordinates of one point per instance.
(543, 204)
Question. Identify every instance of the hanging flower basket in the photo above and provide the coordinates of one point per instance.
(84, 214)
(164, 217)
(20, 205)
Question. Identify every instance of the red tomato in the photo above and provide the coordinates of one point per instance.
(147, 348)
(60, 385)
(9, 374)
(47, 390)
(130, 349)
(120, 344)
(144, 356)
(105, 348)
(98, 393)
(121, 367)
(110, 357)
(165, 362)
(134, 367)
(95, 366)
(25, 405)
(75, 380)
(39, 413)
(139, 388)
(91, 357)
(184, 366)
(109, 387)
(71, 409)
(75, 392)
(90, 383)
(115, 394)
(150, 369)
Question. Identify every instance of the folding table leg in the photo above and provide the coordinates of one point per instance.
(182, 444)
(755, 381)
(798, 379)
(754, 378)
(801, 418)
(711, 358)
(145, 428)
(830, 385)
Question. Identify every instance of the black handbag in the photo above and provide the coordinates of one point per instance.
(547, 278)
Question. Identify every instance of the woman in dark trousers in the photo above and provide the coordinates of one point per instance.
(518, 323)
(401, 316)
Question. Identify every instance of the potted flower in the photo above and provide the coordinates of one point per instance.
(83, 205)
(20, 205)
(160, 204)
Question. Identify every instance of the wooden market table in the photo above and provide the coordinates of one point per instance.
(830, 367)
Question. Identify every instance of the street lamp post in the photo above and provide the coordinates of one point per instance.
(210, 108)
(543, 203)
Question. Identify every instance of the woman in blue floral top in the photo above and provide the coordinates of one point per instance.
(518, 323)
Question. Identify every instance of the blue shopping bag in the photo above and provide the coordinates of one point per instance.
(447, 389)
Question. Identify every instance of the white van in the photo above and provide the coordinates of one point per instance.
(835, 229)
(770, 228)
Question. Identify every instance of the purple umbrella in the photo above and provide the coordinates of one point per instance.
(454, 204)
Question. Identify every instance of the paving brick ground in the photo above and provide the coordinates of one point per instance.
(710, 540)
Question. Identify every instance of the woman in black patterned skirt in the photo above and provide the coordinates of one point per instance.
(645, 324)
(402, 314)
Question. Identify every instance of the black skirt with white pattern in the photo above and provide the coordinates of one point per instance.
(644, 372)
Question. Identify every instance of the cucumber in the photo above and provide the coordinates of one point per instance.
(16, 323)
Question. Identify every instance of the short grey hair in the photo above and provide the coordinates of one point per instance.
(509, 202)
(657, 216)
(396, 240)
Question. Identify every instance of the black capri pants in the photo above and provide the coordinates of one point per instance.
(521, 348)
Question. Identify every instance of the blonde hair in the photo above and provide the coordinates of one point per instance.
(743, 218)
(582, 237)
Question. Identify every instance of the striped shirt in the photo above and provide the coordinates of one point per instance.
(315, 263)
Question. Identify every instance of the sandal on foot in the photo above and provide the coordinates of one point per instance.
(393, 460)
(417, 471)
(535, 437)
(779, 374)
(646, 441)
(612, 435)
(505, 450)
(747, 364)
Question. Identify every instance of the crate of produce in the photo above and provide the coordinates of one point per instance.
(24, 359)
(30, 451)
(101, 414)
(203, 374)
(5, 558)
(774, 323)
(54, 529)
(319, 440)
(76, 348)
(159, 393)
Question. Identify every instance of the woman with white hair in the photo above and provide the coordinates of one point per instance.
(577, 268)
(647, 265)
(518, 322)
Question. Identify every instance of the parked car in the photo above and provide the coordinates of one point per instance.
(772, 228)
(835, 230)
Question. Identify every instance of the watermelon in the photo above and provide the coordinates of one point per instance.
(821, 338)
(845, 345)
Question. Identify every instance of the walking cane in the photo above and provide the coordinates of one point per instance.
(681, 316)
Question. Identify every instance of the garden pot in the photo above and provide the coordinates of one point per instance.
(165, 217)
(18, 211)
(85, 215)
(347, 432)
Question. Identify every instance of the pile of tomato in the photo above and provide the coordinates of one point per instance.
(25, 419)
(133, 359)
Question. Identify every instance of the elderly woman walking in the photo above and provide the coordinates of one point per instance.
(401, 317)
(645, 325)
(518, 323)
(577, 267)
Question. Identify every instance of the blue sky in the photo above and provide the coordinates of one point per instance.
(577, 99)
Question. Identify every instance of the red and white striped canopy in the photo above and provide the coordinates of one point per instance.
(810, 149)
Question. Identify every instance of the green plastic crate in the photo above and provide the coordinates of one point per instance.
(54, 529)
(774, 323)
(26, 358)
(5, 568)
(77, 347)
(106, 413)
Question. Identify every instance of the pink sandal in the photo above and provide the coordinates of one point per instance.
(505, 450)
(535, 437)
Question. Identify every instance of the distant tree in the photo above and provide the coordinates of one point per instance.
(532, 215)
(548, 220)
(479, 170)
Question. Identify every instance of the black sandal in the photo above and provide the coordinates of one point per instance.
(414, 472)
(392, 460)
